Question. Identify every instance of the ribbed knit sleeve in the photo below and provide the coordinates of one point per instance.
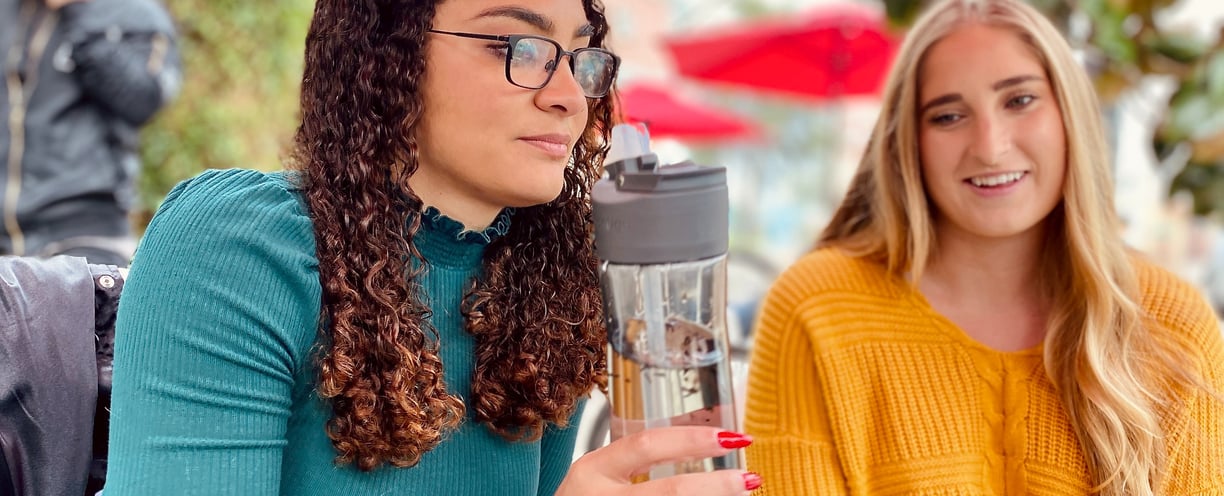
(556, 451)
(214, 321)
(786, 410)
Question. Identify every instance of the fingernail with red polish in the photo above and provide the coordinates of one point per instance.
(752, 480)
(733, 440)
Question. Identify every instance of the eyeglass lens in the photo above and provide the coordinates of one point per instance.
(531, 65)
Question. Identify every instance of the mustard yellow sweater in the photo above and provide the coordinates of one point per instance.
(857, 386)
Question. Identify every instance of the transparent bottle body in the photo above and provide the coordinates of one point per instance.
(668, 352)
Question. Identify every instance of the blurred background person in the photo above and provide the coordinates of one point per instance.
(81, 78)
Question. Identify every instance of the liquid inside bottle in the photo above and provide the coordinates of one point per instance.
(683, 380)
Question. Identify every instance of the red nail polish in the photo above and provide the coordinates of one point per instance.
(733, 440)
(752, 480)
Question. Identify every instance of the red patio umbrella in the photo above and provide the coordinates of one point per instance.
(668, 115)
(833, 51)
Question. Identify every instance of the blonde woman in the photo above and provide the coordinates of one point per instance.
(970, 322)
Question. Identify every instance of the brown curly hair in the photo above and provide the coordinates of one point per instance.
(535, 309)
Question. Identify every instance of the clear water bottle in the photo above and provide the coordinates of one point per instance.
(661, 232)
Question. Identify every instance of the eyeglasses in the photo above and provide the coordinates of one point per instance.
(531, 61)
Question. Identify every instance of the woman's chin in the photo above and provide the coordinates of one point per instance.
(535, 196)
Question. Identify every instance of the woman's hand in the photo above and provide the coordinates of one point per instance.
(609, 470)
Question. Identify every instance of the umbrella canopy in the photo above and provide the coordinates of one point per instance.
(668, 115)
(833, 51)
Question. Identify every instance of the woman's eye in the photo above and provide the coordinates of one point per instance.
(944, 119)
(499, 49)
(1020, 101)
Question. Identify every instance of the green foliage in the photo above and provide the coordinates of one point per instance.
(1110, 34)
(902, 12)
(1179, 47)
(1195, 121)
(749, 9)
(242, 64)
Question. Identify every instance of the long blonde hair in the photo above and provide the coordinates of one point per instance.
(1111, 376)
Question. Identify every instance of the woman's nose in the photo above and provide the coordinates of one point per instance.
(562, 93)
(991, 141)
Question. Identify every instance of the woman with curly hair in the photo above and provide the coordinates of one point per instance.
(971, 321)
(414, 308)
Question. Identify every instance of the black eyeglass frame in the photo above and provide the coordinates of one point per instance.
(512, 39)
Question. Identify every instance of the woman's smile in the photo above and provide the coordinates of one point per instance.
(998, 184)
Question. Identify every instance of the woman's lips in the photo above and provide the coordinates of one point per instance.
(997, 185)
(554, 145)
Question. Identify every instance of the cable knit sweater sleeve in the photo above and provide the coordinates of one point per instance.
(215, 319)
(786, 412)
(1195, 426)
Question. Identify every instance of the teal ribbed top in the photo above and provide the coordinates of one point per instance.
(214, 383)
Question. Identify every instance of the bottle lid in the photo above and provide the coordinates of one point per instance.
(647, 213)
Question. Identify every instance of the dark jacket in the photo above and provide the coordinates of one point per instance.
(56, 334)
(83, 80)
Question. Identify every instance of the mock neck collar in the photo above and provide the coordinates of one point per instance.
(445, 242)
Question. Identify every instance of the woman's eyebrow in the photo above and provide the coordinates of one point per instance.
(535, 19)
(1014, 81)
(942, 100)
